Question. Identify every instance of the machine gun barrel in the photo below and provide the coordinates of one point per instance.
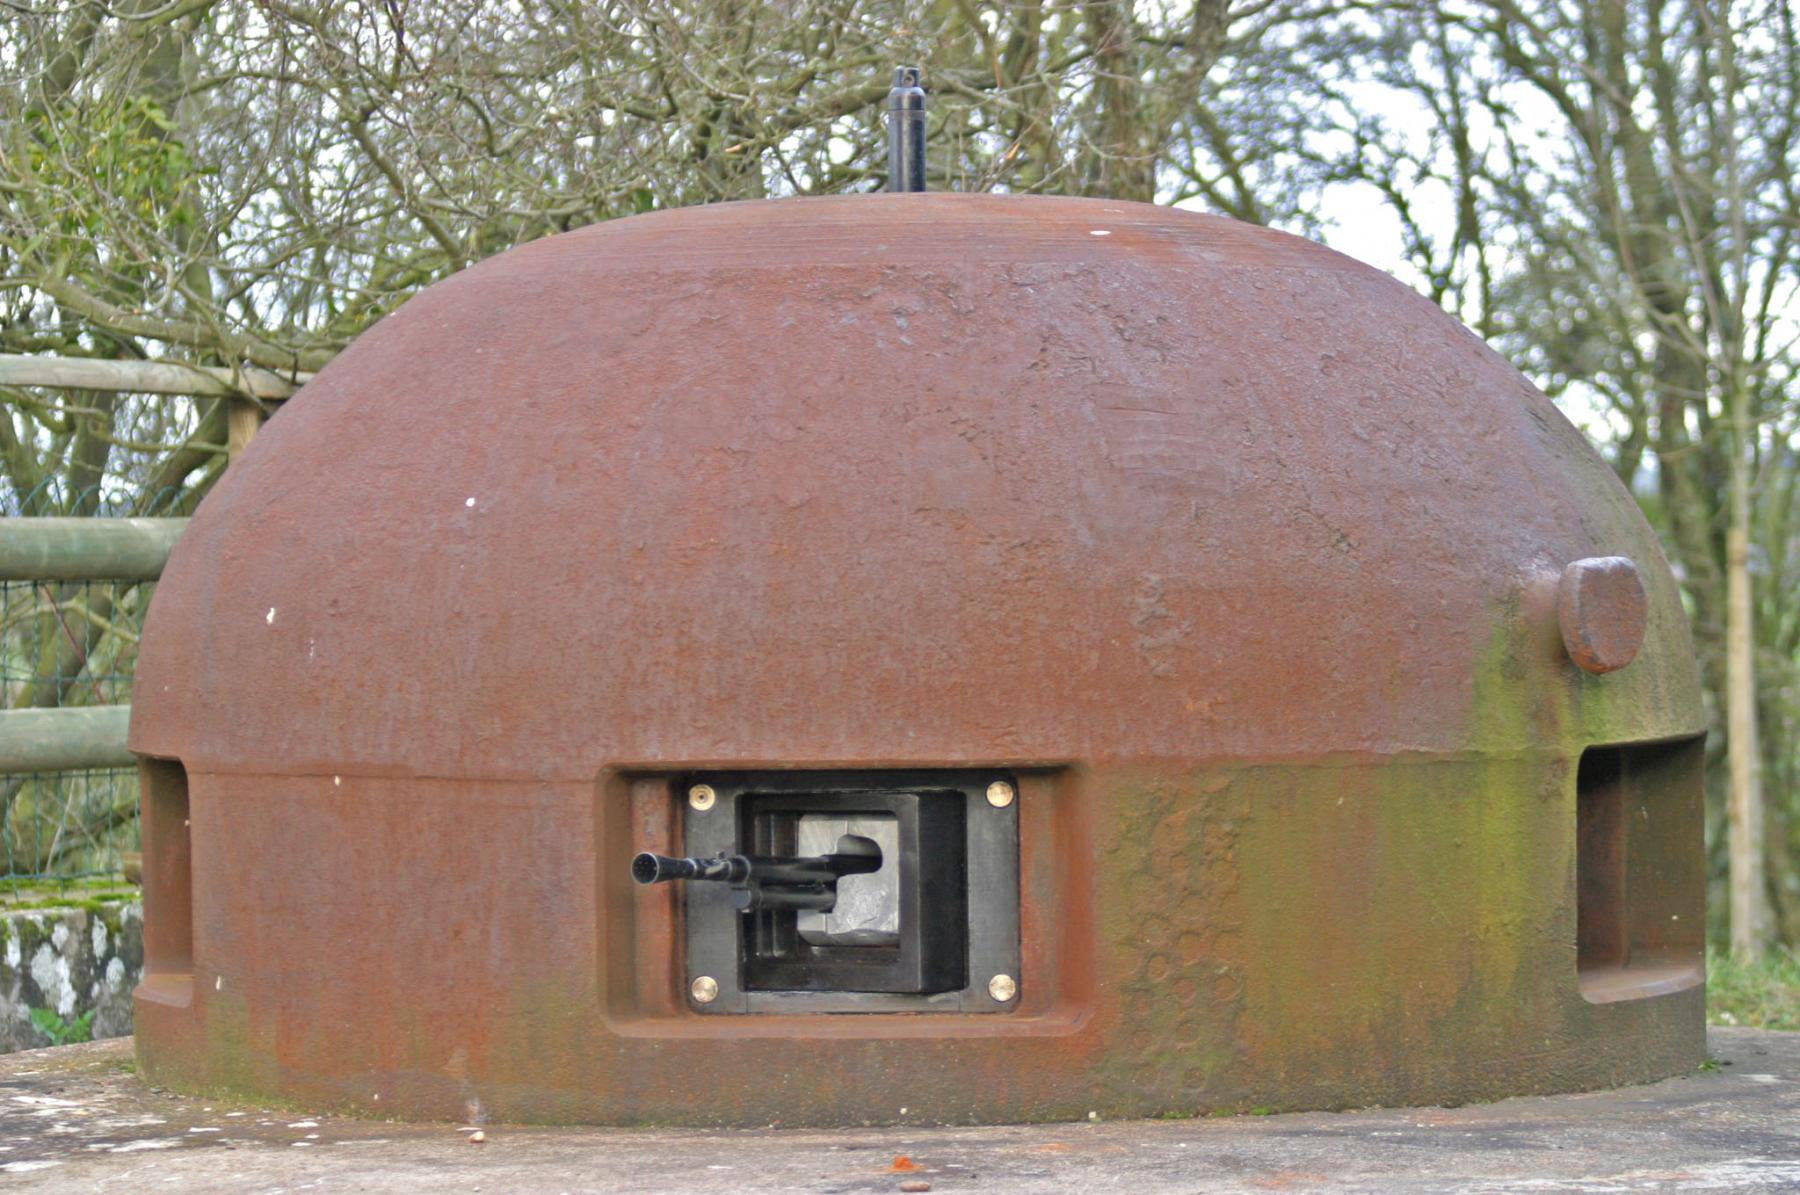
(768, 881)
(648, 868)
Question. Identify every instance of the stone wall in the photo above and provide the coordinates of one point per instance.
(72, 962)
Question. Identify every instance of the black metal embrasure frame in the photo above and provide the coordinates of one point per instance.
(716, 932)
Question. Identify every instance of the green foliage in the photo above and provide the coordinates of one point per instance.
(112, 160)
(62, 889)
(98, 894)
(61, 1032)
(1762, 995)
(96, 904)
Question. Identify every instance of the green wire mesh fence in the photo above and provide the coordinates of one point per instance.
(67, 824)
(54, 496)
(68, 644)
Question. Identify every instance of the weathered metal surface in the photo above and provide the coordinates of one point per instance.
(1602, 610)
(74, 549)
(1242, 557)
(67, 739)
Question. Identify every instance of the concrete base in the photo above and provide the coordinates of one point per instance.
(78, 1118)
(76, 964)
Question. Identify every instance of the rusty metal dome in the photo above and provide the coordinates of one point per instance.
(1304, 623)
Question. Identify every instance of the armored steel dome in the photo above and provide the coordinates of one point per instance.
(1257, 694)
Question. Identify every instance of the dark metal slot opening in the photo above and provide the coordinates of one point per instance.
(168, 868)
(1639, 908)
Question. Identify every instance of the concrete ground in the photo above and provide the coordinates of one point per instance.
(77, 1119)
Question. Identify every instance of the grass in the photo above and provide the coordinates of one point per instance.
(1764, 995)
(88, 892)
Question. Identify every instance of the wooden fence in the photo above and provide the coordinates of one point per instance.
(54, 554)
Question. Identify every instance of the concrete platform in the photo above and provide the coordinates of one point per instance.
(77, 1119)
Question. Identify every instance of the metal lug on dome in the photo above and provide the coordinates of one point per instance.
(1602, 610)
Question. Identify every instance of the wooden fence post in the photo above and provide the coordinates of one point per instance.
(242, 419)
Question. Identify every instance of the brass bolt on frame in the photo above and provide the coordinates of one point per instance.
(1003, 988)
(701, 797)
(704, 990)
(1000, 794)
